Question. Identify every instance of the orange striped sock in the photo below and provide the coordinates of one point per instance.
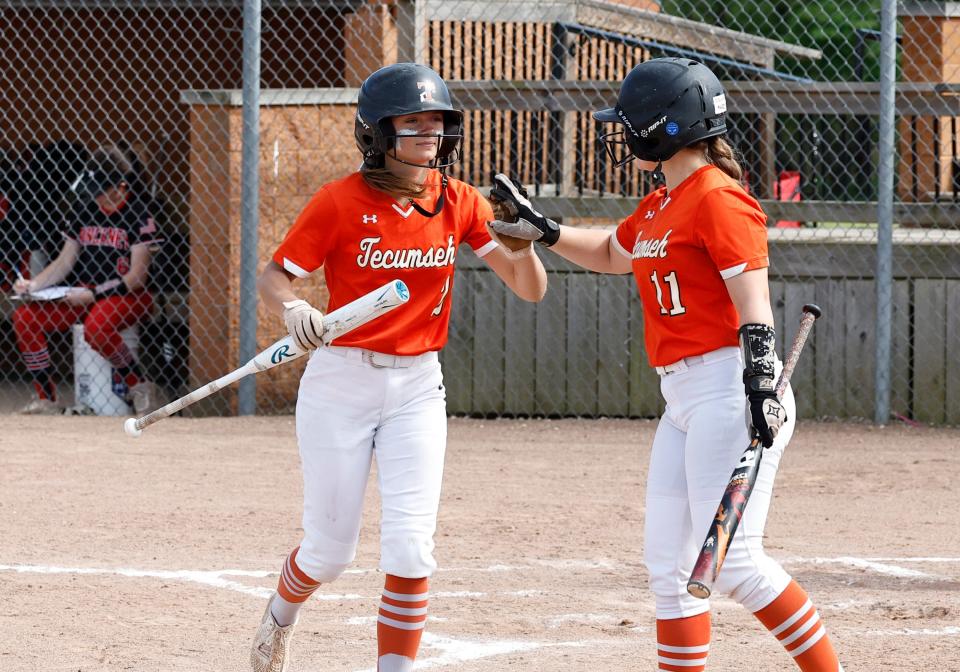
(294, 585)
(403, 613)
(792, 619)
(683, 643)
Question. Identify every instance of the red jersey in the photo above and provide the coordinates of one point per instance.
(683, 246)
(363, 238)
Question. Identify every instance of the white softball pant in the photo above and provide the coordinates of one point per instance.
(697, 445)
(349, 410)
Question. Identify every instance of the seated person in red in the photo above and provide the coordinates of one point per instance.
(105, 258)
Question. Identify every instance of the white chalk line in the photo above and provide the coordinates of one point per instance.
(879, 565)
(453, 651)
(446, 651)
(949, 631)
(207, 578)
(216, 579)
(457, 651)
(913, 559)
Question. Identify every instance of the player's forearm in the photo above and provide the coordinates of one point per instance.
(750, 293)
(48, 276)
(589, 248)
(54, 273)
(275, 287)
(529, 278)
(136, 278)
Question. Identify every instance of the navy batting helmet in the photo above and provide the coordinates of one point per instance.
(665, 104)
(398, 89)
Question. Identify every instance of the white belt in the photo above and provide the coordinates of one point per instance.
(382, 360)
(687, 362)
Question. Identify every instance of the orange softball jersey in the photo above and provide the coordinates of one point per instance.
(683, 246)
(363, 239)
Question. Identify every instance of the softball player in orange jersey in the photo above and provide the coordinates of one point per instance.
(378, 390)
(698, 250)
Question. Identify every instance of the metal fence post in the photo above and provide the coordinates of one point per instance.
(250, 201)
(888, 65)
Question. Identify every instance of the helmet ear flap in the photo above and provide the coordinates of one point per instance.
(387, 136)
(452, 137)
(633, 144)
(369, 140)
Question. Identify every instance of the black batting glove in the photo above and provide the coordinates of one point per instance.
(528, 223)
(765, 413)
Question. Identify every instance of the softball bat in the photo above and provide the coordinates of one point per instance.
(335, 324)
(737, 493)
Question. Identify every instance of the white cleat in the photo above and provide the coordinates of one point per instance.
(271, 645)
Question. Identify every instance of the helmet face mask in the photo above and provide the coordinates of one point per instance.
(448, 144)
(618, 147)
(665, 105)
(404, 89)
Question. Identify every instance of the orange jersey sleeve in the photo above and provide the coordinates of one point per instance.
(312, 236)
(625, 234)
(733, 229)
(475, 212)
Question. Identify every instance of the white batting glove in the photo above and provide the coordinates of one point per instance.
(305, 324)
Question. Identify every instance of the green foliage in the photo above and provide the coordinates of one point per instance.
(828, 25)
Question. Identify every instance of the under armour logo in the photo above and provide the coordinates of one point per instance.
(369, 219)
(428, 89)
(650, 214)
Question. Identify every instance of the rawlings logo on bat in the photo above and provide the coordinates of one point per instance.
(280, 353)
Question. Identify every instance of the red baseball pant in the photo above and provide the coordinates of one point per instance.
(102, 323)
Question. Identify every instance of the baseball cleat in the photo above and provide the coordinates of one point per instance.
(271, 645)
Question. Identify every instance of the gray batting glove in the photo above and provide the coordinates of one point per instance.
(529, 224)
(305, 324)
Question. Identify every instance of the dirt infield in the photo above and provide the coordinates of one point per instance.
(158, 554)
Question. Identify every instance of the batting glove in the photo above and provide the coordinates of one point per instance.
(529, 224)
(305, 324)
(765, 413)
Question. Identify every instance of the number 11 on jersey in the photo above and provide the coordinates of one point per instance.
(676, 307)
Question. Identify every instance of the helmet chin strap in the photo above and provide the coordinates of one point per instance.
(439, 206)
(658, 176)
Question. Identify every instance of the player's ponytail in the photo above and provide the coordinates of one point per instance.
(382, 179)
(719, 152)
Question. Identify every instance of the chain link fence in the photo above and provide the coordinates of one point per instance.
(162, 82)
